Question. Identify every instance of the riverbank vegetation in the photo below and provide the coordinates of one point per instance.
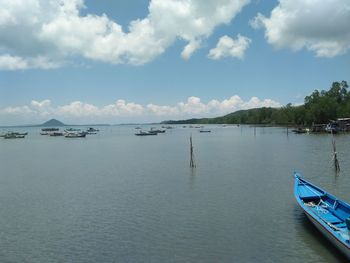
(320, 107)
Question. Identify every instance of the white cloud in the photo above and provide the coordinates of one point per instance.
(123, 108)
(122, 111)
(8, 62)
(43, 34)
(228, 47)
(190, 48)
(321, 26)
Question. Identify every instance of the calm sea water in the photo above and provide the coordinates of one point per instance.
(116, 197)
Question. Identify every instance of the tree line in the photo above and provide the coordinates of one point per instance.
(319, 108)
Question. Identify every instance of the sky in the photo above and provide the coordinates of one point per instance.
(139, 61)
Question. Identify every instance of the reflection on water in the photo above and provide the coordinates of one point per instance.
(116, 197)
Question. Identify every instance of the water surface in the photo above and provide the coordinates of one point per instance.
(116, 197)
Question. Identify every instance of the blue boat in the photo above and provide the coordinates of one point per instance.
(330, 215)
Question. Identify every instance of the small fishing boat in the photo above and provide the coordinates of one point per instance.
(72, 130)
(75, 135)
(49, 129)
(91, 130)
(332, 128)
(205, 131)
(13, 135)
(55, 134)
(142, 133)
(20, 133)
(330, 215)
(154, 130)
(299, 131)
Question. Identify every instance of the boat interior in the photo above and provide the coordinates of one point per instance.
(329, 208)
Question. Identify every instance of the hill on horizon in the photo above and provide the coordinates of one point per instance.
(263, 115)
(53, 123)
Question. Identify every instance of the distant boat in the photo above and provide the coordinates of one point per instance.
(330, 215)
(20, 133)
(72, 130)
(300, 131)
(75, 135)
(49, 129)
(54, 134)
(332, 128)
(204, 130)
(142, 133)
(13, 135)
(92, 130)
(154, 130)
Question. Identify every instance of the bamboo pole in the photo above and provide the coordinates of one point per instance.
(192, 163)
(335, 157)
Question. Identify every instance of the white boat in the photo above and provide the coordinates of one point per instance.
(75, 135)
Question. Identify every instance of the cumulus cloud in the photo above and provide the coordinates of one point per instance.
(321, 26)
(121, 110)
(43, 34)
(228, 47)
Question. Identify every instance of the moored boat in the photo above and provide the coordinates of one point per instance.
(332, 128)
(20, 133)
(49, 129)
(300, 130)
(330, 215)
(91, 129)
(13, 135)
(55, 134)
(75, 135)
(154, 130)
(142, 133)
(72, 130)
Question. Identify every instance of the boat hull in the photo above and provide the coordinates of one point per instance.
(326, 212)
(329, 235)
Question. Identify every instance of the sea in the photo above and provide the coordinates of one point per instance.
(117, 197)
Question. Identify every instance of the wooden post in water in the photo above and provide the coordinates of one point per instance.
(335, 157)
(192, 164)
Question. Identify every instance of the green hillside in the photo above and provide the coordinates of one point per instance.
(320, 107)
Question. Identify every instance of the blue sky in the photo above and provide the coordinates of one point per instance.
(82, 61)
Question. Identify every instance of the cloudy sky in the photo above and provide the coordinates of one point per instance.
(105, 61)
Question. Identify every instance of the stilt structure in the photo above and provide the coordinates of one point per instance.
(192, 163)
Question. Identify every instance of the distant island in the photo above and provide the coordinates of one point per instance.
(52, 123)
(318, 108)
(57, 123)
